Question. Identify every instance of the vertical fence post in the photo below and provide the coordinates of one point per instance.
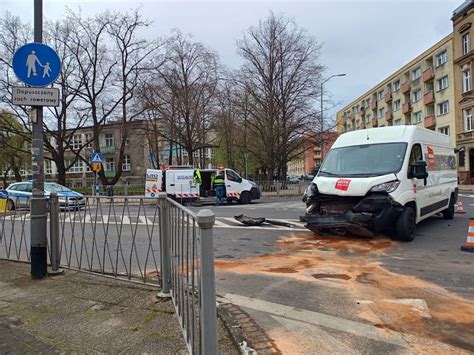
(205, 219)
(54, 234)
(165, 261)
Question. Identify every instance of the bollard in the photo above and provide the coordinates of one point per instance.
(54, 234)
(125, 188)
(205, 219)
(165, 261)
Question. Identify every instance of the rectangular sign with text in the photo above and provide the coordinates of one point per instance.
(35, 96)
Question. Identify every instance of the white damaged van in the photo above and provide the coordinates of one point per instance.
(383, 180)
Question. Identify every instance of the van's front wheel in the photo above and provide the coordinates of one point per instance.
(245, 198)
(406, 225)
(448, 213)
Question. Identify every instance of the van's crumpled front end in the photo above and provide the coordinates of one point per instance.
(363, 215)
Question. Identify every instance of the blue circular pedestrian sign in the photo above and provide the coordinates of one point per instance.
(36, 64)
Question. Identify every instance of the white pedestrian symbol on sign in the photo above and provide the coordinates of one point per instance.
(31, 61)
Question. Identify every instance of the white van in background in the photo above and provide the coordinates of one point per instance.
(179, 184)
(383, 179)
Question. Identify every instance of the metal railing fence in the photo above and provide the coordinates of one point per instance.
(151, 240)
(279, 188)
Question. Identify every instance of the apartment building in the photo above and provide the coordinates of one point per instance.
(463, 18)
(420, 93)
(136, 159)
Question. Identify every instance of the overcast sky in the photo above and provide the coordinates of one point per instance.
(367, 40)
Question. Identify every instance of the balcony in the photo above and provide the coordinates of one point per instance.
(374, 122)
(430, 122)
(388, 97)
(107, 150)
(373, 104)
(406, 108)
(388, 116)
(428, 75)
(405, 87)
(428, 98)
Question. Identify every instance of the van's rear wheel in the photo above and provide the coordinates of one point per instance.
(406, 225)
(448, 213)
(245, 198)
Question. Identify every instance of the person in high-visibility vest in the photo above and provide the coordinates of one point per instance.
(219, 186)
(197, 177)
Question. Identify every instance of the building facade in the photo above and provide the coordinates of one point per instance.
(422, 93)
(463, 19)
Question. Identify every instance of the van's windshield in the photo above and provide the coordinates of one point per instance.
(364, 160)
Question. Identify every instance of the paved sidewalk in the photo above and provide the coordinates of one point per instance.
(466, 188)
(83, 313)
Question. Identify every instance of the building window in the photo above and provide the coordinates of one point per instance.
(417, 117)
(109, 140)
(76, 167)
(416, 95)
(397, 122)
(396, 85)
(443, 108)
(127, 141)
(126, 166)
(367, 118)
(416, 73)
(466, 45)
(468, 124)
(48, 167)
(441, 58)
(381, 112)
(396, 105)
(442, 83)
(109, 164)
(88, 141)
(380, 95)
(462, 158)
(444, 130)
(77, 141)
(466, 80)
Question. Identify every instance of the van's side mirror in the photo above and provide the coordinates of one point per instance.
(418, 170)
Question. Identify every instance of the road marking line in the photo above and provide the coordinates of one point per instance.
(320, 319)
(236, 225)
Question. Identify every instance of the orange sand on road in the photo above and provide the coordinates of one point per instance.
(349, 264)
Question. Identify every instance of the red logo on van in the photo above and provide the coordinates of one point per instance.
(342, 184)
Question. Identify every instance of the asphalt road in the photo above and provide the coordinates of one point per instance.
(348, 294)
(309, 293)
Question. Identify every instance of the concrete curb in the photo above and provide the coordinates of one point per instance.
(242, 328)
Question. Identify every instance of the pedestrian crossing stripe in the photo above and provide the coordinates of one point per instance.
(220, 222)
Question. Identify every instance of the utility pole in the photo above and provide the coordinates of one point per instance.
(38, 250)
(322, 115)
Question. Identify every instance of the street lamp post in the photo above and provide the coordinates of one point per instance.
(322, 113)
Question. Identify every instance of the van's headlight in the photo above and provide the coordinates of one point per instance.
(253, 184)
(386, 186)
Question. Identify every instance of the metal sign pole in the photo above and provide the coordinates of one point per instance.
(38, 202)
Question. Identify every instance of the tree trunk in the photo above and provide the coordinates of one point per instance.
(16, 171)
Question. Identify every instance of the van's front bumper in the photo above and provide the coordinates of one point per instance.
(255, 193)
(370, 214)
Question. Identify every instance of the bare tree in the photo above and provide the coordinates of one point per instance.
(60, 123)
(281, 75)
(112, 59)
(183, 94)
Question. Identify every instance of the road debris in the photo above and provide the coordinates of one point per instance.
(258, 221)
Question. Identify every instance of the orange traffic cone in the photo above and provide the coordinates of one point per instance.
(460, 207)
(469, 245)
